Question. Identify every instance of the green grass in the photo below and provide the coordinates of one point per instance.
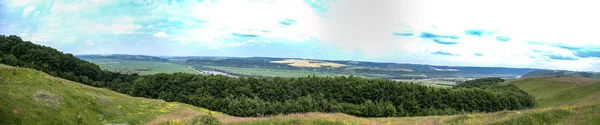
(131, 66)
(272, 72)
(561, 91)
(298, 121)
(33, 97)
(544, 117)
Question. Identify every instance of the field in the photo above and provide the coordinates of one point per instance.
(141, 67)
(366, 69)
(33, 97)
(434, 83)
(308, 63)
(271, 72)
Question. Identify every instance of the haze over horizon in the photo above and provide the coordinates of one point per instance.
(507, 33)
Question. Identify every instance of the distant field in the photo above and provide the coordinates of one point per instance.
(141, 67)
(434, 83)
(272, 72)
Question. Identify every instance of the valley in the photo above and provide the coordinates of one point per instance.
(284, 67)
(103, 106)
(41, 83)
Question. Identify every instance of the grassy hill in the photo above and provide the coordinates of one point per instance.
(562, 73)
(33, 97)
(561, 100)
(555, 91)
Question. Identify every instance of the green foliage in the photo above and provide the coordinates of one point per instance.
(249, 96)
(17, 52)
(480, 83)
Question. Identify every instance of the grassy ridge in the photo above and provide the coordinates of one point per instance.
(33, 97)
(561, 91)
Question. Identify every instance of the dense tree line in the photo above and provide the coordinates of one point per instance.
(480, 83)
(250, 96)
(16, 52)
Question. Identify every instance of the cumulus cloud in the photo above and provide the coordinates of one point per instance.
(27, 11)
(160, 34)
(444, 33)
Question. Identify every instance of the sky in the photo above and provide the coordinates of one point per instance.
(548, 34)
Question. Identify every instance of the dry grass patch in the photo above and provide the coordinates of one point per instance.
(308, 63)
(48, 99)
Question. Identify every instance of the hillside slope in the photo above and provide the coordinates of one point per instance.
(561, 100)
(536, 73)
(33, 97)
(553, 91)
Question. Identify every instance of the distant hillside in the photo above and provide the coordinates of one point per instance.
(123, 57)
(243, 66)
(562, 73)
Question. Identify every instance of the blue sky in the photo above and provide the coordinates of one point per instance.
(504, 33)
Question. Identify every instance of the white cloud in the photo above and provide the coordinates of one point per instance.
(27, 11)
(184, 42)
(352, 26)
(160, 34)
